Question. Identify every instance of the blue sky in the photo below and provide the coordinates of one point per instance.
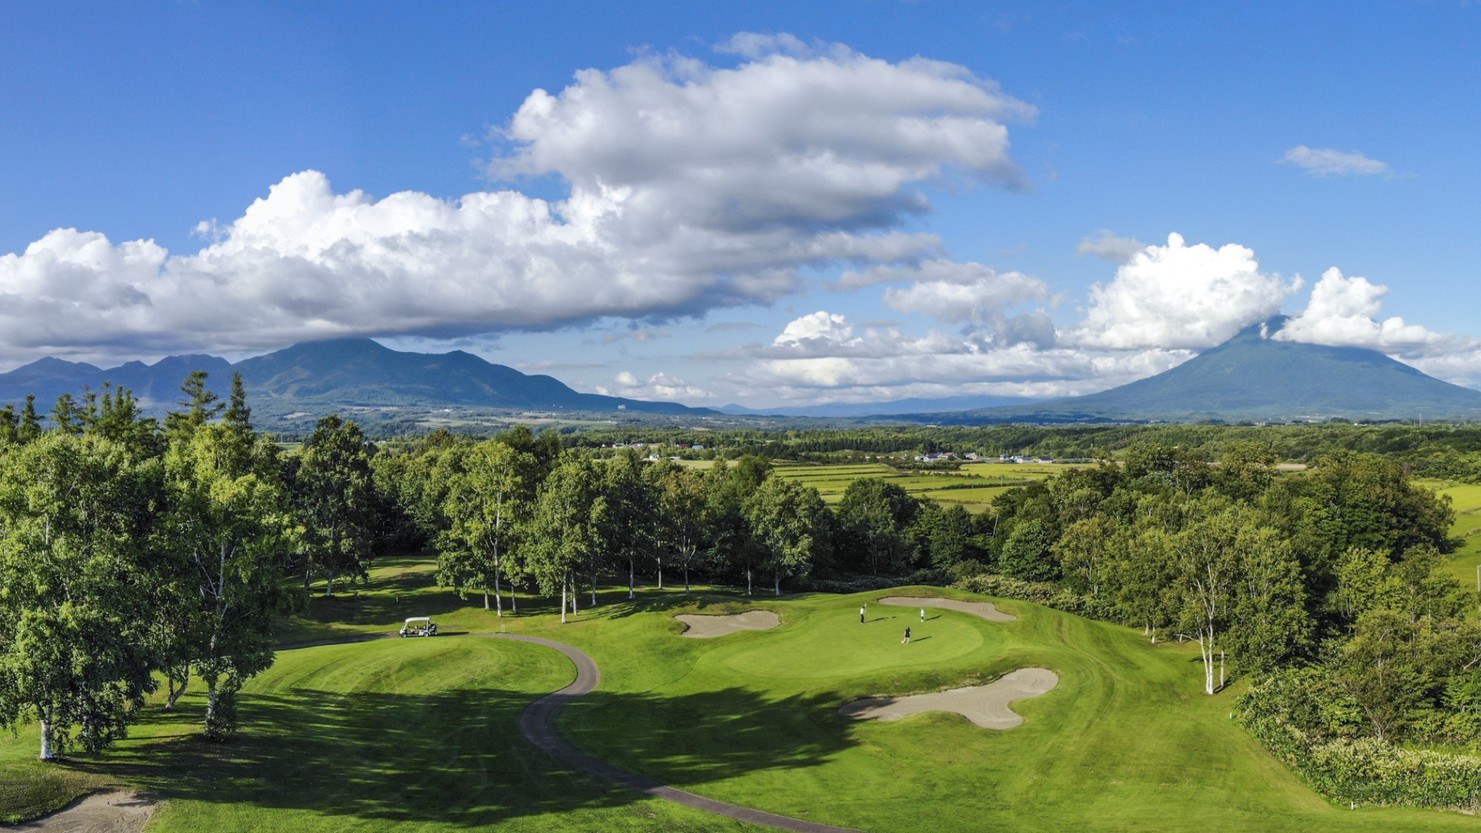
(756, 203)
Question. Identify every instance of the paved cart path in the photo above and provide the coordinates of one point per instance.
(128, 812)
(123, 811)
(538, 725)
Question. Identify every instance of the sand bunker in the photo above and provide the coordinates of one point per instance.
(709, 627)
(984, 705)
(986, 610)
(116, 812)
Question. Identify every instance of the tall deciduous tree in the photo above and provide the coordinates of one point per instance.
(789, 522)
(228, 524)
(628, 522)
(562, 530)
(73, 655)
(1084, 552)
(727, 488)
(681, 501)
(1141, 570)
(876, 519)
(485, 503)
(334, 490)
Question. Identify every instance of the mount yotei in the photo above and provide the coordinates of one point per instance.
(1255, 376)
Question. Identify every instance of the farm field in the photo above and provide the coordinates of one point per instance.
(974, 485)
(420, 734)
(1466, 500)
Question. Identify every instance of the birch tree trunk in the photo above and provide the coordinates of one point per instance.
(498, 591)
(46, 751)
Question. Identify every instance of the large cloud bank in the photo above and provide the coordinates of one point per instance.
(690, 187)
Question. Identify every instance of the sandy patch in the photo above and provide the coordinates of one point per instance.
(709, 627)
(986, 610)
(984, 705)
(115, 812)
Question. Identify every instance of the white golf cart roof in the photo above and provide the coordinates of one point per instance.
(427, 619)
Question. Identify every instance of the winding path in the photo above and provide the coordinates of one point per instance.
(127, 812)
(538, 725)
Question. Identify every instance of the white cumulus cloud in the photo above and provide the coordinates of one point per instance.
(73, 287)
(1180, 297)
(1344, 312)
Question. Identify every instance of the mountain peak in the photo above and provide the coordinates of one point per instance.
(1253, 376)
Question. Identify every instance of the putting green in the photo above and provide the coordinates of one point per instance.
(824, 646)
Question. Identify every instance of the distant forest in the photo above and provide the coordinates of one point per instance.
(1446, 451)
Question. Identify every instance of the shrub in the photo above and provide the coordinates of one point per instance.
(1304, 720)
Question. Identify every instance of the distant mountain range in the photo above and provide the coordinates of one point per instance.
(1250, 377)
(321, 376)
(1255, 377)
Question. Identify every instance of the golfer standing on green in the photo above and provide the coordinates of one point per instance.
(861, 614)
(906, 640)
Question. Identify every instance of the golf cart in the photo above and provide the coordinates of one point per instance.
(419, 626)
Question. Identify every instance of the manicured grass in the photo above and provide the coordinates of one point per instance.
(405, 736)
(1127, 741)
(421, 734)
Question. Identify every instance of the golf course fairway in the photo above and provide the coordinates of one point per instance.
(422, 734)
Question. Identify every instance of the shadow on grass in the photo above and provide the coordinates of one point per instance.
(456, 757)
(616, 605)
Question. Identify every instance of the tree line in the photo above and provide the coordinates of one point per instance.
(1429, 450)
(518, 512)
(134, 552)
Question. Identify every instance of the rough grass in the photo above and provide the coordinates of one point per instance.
(421, 734)
(29, 788)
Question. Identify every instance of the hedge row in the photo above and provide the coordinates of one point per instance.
(1040, 592)
(1371, 771)
(1364, 770)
